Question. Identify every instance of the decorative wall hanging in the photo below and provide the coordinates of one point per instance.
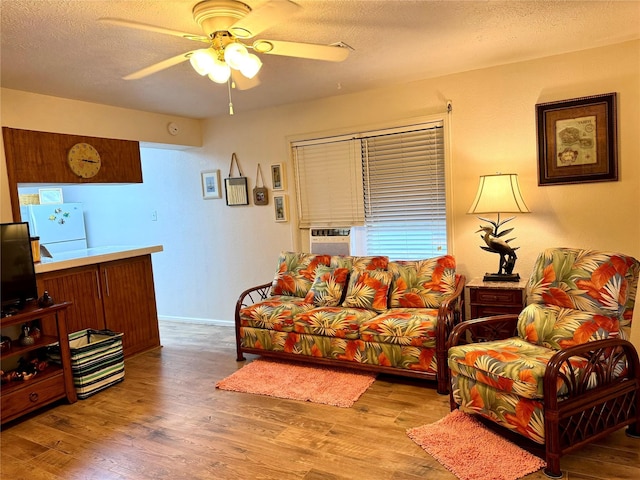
(277, 176)
(211, 184)
(577, 140)
(235, 188)
(280, 208)
(260, 194)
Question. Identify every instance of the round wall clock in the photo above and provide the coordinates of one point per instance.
(84, 160)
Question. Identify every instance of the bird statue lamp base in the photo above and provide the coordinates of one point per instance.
(501, 277)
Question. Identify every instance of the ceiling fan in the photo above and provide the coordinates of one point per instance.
(227, 25)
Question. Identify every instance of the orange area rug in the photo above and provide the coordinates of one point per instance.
(471, 451)
(317, 384)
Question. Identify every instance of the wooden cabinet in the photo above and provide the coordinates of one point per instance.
(129, 302)
(53, 383)
(81, 286)
(118, 295)
(495, 298)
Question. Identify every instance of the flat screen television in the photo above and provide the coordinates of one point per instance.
(16, 262)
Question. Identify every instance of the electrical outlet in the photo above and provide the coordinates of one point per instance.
(154, 216)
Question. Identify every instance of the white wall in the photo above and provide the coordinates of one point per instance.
(213, 252)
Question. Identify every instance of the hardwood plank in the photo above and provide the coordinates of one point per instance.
(167, 421)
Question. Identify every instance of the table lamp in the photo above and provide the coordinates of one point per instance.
(499, 193)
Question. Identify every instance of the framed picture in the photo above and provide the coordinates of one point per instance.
(577, 140)
(50, 195)
(280, 208)
(211, 184)
(277, 176)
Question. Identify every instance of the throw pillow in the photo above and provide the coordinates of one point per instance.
(327, 287)
(368, 289)
(296, 272)
(422, 283)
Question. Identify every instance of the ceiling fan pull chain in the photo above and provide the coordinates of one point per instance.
(230, 102)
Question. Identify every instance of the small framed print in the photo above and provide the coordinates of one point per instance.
(280, 208)
(50, 195)
(211, 184)
(277, 177)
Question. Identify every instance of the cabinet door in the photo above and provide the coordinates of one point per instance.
(81, 286)
(130, 303)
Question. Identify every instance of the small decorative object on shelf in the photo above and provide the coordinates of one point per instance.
(45, 300)
(26, 338)
(5, 344)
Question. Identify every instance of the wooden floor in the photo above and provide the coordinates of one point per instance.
(167, 421)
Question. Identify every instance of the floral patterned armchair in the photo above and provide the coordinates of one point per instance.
(562, 373)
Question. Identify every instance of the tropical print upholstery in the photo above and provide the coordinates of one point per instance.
(402, 326)
(354, 350)
(304, 315)
(574, 296)
(275, 313)
(368, 289)
(296, 272)
(360, 263)
(422, 283)
(328, 286)
(338, 322)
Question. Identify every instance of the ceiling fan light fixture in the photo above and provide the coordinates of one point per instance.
(251, 66)
(203, 60)
(262, 46)
(235, 55)
(220, 72)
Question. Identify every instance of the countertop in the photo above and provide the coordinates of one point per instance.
(91, 256)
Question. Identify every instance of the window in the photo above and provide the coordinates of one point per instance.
(391, 182)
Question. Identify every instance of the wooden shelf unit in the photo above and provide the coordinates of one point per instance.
(55, 382)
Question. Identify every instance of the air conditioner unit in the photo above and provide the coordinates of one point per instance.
(330, 241)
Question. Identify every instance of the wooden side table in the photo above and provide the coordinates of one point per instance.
(484, 299)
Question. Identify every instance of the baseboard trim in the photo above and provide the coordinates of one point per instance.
(200, 321)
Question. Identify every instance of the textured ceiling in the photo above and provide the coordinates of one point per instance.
(57, 47)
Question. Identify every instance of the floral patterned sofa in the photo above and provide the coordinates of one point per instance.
(362, 312)
(562, 373)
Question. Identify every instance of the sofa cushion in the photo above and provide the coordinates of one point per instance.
(402, 326)
(368, 289)
(274, 313)
(360, 263)
(328, 286)
(338, 322)
(512, 365)
(555, 327)
(296, 272)
(422, 283)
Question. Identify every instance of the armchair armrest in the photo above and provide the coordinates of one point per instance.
(484, 330)
(605, 362)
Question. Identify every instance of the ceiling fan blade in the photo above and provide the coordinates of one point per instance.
(153, 28)
(243, 83)
(156, 67)
(330, 53)
(263, 17)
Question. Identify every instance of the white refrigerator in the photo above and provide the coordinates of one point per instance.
(59, 226)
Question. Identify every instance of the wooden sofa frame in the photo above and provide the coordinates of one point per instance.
(450, 313)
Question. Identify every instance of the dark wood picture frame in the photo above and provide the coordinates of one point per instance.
(577, 140)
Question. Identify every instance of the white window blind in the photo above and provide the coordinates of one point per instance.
(404, 192)
(329, 181)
